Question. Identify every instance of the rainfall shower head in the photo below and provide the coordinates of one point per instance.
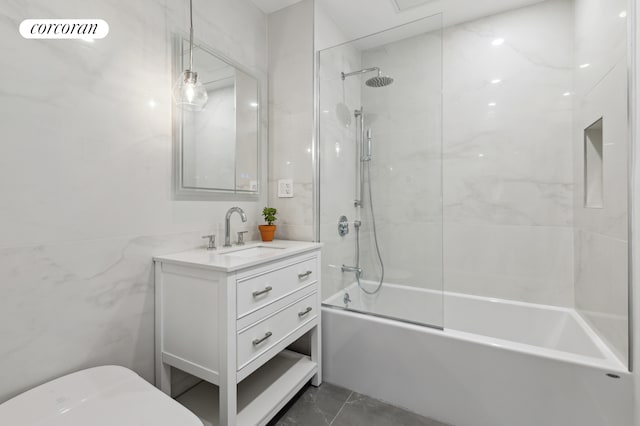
(378, 81)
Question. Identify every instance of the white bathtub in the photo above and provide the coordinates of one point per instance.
(496, 363)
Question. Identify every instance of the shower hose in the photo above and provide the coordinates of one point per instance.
(375, 239)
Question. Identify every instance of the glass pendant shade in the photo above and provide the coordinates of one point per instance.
(188, 93)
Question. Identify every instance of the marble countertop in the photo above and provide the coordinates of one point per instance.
(238, 257)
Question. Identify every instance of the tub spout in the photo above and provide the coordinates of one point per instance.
(356, 269)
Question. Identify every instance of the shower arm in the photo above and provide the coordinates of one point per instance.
(359, 72)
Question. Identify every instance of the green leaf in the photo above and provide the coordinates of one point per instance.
(269, 214)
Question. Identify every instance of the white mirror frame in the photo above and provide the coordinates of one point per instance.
(192, 194)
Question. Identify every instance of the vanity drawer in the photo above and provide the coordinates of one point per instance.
(260, 337)
(257, 291)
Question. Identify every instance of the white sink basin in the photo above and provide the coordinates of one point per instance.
(256, 251)
(238, 257)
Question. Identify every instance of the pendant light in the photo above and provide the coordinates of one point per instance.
(188, 92)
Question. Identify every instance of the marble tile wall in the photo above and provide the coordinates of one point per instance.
(508, 180)
(601, 234)
(85, 178)
(291, 105)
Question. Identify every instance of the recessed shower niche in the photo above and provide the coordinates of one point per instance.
(593, 166)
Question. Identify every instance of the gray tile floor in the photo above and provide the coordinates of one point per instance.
(332, 405)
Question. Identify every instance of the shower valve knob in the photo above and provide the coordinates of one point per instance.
(343, 226)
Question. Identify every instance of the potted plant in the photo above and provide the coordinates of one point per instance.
(267, 231)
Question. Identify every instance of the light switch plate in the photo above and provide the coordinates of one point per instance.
(285, 188)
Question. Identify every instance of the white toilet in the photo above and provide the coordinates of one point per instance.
(101, 396)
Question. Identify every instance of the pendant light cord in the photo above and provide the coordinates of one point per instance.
(190, 35)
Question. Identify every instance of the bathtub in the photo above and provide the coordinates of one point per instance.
(495, 363)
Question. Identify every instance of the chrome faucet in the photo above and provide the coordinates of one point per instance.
(227, 223)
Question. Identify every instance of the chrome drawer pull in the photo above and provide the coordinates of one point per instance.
(268, 334)
(305, 312)
(261, 292)
(305, 275)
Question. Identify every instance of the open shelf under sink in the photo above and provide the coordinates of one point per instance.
(260, 396)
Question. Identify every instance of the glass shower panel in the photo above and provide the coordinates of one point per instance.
(380, 159)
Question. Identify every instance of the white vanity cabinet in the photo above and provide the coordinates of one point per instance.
(228, 316)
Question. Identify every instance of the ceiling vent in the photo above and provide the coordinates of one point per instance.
(402, 5)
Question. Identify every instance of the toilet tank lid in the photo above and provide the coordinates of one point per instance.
(106, 395)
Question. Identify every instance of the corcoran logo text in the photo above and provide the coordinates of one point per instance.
(64, 28)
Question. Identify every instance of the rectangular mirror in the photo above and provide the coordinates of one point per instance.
(217, 150)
